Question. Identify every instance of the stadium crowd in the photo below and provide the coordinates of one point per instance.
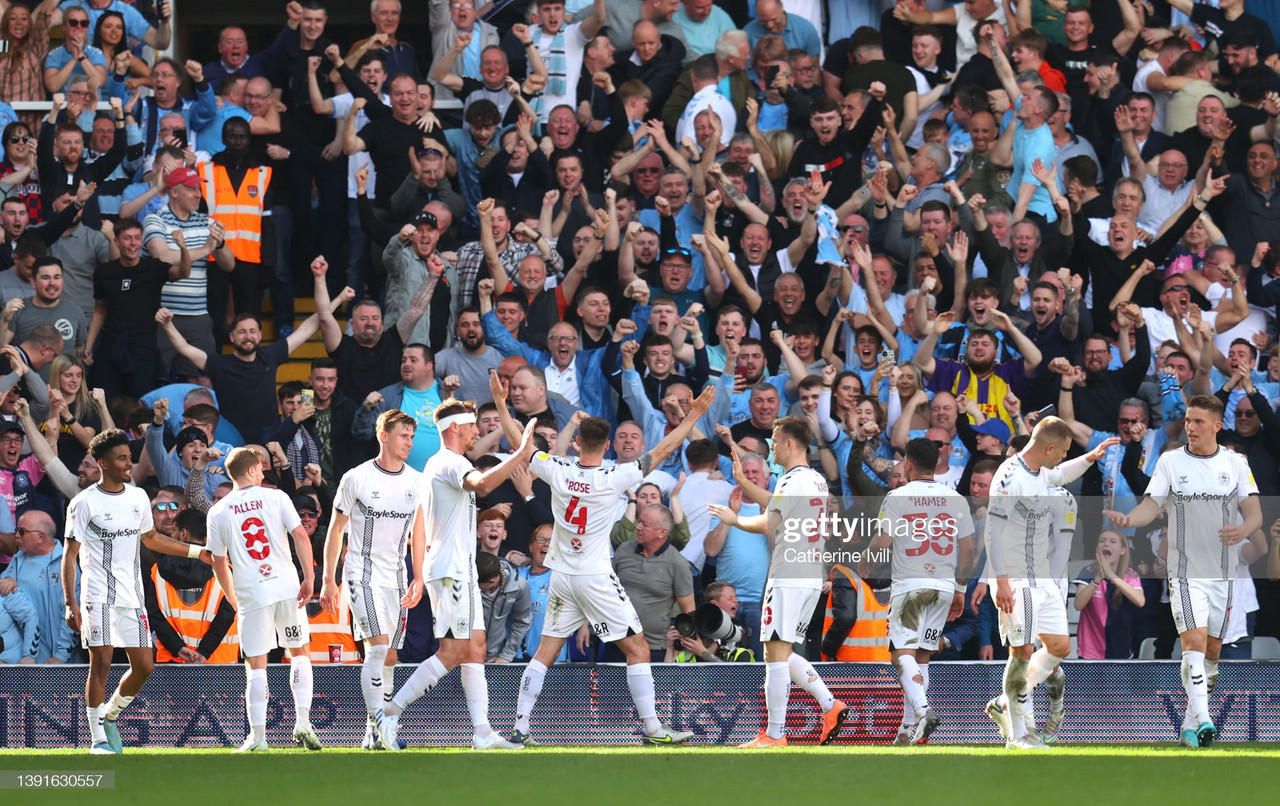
(895, 220)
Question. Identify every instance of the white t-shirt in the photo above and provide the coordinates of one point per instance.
(341, 105)
(1201, 494)
(451, 518)
(1161, 96)
(585, 504)
(925, 519)
(966, 45)
(250, 527)
(1160, 327)
(109, 528)
(382, 506)
(923, 88)
(574, 46)
(800, 498)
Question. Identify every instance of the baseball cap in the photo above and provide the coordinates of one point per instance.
(995, 428)
(425, 217)
(182, 176)
(190, 434)
(10, 425)
(305, 502)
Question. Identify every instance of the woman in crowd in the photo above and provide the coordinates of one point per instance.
(1108, 594)
(18, 168)
(25, 33)
(109, 37)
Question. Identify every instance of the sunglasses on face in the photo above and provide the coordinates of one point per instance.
(859, 229)
(647, 170)
(1246, 413)
(165, 506)
(76, 23)
(19, 138)
(20, 532)
(679, 250)
(1173, 288)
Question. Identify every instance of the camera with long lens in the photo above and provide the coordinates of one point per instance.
(711, 621)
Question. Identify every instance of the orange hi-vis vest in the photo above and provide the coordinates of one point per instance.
(868, 641)
(241, 213)
(192, 620)
(329, 631)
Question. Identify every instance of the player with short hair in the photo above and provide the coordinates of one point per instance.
(1028, 558)
(379, 506)
(248, 537)
(930, 528)
(586, 501)
(1212, 504)
(450, 485)
(793, 517)
(106, 525)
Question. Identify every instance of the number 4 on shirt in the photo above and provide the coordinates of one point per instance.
(576, 515)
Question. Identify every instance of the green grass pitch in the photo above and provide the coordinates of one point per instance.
(1133, 774)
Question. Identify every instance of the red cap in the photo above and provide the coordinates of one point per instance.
(182, 176)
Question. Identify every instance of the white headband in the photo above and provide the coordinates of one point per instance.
(455, 419)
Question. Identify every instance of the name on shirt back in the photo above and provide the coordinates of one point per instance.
(247, 506)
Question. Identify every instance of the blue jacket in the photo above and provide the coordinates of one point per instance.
(56, 639)
(654, 422)
(169, 469)
(593, 385)
(19, 627)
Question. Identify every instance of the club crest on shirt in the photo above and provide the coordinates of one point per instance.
(264, 569)
(1224, 479)
(576, 544)
(410, 496)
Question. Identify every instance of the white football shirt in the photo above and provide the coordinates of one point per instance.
(381, 506)
(1201, 494)
(250, 527)
(451, 518)
(585, 503)
(925, 518)
(800, 499)
(109, 528)
(1023, 499)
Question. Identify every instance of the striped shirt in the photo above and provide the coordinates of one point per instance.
(382, 506)
(109, 528)
(184, 297)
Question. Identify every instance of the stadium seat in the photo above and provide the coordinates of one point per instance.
(1147, 649)
(1266, 648)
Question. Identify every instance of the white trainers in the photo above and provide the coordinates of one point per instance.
(1027, 742)
(668, 736)
(306, 737)
(493, 741)
(252, 745)
(998, 710)
(904, 735)
(385, 726)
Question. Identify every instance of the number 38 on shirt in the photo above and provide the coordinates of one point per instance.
(254, 531)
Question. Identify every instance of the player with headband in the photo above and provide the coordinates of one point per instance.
(450, 485)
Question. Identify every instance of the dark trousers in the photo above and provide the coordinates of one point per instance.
(242, 285)
(318, 229)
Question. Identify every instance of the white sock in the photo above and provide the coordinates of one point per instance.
(1188, 716)
(806, 677)
(476, 687)
(300, 681)
(118, 703)
(1015, 690)
(388, 684)
(423, 679)
(1211, 674)
(912, 689)
(371, 672)
(1197, 686)
(777, 691)
(1042, 664)
(530, 687)
(255, 699)
(97, 731)
(1055, 684)
(924, 675)
(640, 682)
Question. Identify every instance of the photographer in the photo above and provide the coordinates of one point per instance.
(695, 646)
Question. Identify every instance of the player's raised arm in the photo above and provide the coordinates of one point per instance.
(483, 483)
(752, 491)
(757, 524)
(162, 544)
(1073, 469)
(498, 388)
(332, 548)
(677, 436)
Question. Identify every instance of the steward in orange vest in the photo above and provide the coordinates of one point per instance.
(187, 608)
(856, 627)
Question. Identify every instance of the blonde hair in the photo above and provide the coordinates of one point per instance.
(83, 401)
(783, 143)
(240, 460)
